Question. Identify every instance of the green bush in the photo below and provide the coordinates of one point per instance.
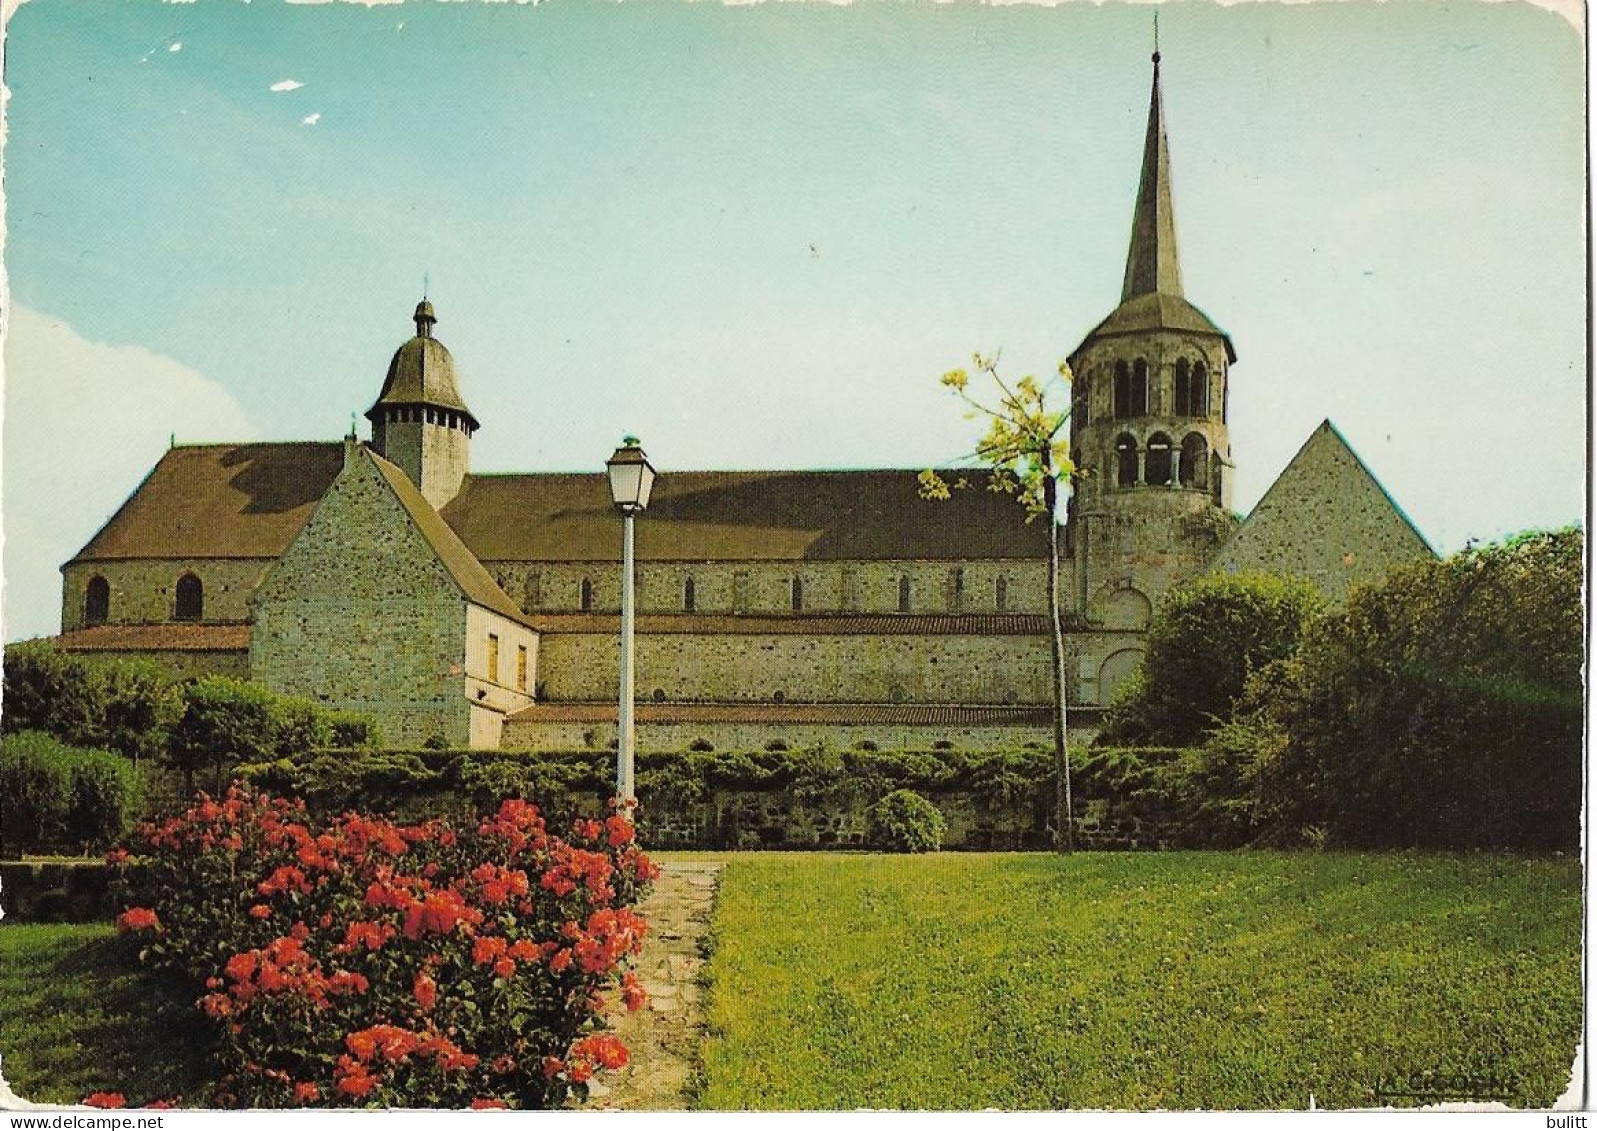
(1442, 709)
(225, 722)
(58, 798)
(904, 821)
(128, 706)
(1204, 641)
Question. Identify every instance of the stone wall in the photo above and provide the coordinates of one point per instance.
(767, 587)
(142, 592)
(1326, 519)
(361, 615)
(732, 668)
(495, 683)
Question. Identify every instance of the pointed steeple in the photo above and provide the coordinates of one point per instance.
(1152, 265)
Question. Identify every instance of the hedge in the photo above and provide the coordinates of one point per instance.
(59, 798)
(706, 799)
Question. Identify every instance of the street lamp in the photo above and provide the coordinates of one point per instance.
(631, 479)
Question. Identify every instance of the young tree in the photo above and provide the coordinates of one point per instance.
(1026, 448)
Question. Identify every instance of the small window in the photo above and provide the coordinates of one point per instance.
(1126, 459)
(1122, 390)
(798, 594)
(1183, 388)
(585, 596)
(903, 593)
(1200, 390)
(1139, 388)
(190, 602)
(97, 601)
(1194, 469)
(1001, 593)
(689, 597)
(493, 658)
(521, 666)
(1159, 467)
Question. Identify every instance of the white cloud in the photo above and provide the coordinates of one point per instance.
(285, 85)
(311, 119)
(84, 423)
(178, 46)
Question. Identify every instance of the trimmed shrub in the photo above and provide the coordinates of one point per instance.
(348, 730)
(58, 798)
(128, 706)
(359, 963)
(904, 821)
(225, 722)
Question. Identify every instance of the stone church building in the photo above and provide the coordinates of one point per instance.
(387, 577)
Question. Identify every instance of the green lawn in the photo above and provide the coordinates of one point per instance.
(1179, 980)
(78, 1016)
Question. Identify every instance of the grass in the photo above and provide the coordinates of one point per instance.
(77, 1016)
(1178, 980)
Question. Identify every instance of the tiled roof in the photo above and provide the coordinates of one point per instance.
(858, 714)
(800, 624)
(474, 581)
(219, 501)
(157, 638)
(743, 516)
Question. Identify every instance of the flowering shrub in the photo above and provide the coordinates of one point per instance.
(358, 962)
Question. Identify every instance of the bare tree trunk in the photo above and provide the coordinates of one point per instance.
(1064, 822)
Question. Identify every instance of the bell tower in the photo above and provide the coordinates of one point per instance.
(420, 423)
(1148, 426)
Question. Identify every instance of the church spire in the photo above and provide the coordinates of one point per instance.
(1152, 266)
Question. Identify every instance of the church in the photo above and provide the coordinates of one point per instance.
(483, 609)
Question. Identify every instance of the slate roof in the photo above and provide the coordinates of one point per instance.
(157, 638)
(1151, 298)
(219, 501)
(422, 372)
(468, 573)
(742, 516)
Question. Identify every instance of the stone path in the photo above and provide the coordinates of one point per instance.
(664, 1035)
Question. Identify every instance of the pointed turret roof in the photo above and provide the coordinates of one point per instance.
(422, 372)
(1152, 265)
(1151, 297)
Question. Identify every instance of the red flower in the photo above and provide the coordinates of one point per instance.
(306, 1092)
(160, 1105)
(260, 911)
(632, 994)
(504, 1064)
(488, 1105)
(426, 991)
(138, 919)
(116, 856)
(505, 967)
(358, 1083)
(561, 960)
(553, 1066)
(106, 1099)
(603, 1048)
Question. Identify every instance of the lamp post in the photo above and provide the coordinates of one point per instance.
(631, 479)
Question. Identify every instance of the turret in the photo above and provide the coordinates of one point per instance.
(1148, 418)
(420, 423)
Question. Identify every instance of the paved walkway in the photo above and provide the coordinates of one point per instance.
(664, 1035)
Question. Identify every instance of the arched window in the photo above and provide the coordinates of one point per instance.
(798, 594)
(689, 597)
(1122, 390)
(1001, 592)
(190, 602)
(1157, 473)
(958, 588)
(585, 596)
(1183, 388)
(1194, 469)
(903, 593)
(1200, 390)
(1126, 460)
(97, 601)
(1139, 388)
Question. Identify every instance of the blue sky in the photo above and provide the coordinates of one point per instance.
(756, 234)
